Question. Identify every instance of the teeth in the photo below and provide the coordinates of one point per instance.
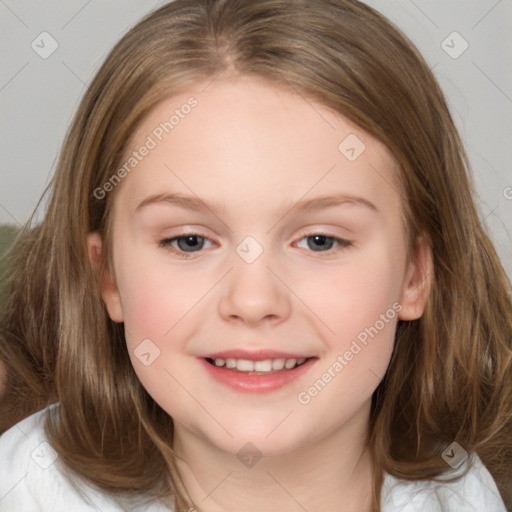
(263, 366)
(267, 365)
(290, 363)
(244, 365)
(277, 364)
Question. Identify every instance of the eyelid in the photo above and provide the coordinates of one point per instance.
(312, 231)
(167, 243)
(343, 243)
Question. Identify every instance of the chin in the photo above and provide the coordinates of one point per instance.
(264, 438)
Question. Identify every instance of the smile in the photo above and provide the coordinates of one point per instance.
(263, 366)
(258, 374)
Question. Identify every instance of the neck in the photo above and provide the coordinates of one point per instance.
(331, 473)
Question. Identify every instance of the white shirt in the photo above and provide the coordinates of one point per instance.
(33, 479)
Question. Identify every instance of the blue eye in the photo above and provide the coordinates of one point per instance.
(323, 243)
(185, 245)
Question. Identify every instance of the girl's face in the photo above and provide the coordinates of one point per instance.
(255, 228)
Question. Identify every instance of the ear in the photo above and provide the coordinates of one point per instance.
(417, 282)
(109, 290)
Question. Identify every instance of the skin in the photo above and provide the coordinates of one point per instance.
(255, 150)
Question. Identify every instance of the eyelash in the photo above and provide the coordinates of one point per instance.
(166, 244)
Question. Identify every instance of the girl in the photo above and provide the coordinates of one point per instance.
(261, 282)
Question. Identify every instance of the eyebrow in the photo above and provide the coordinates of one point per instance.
(198, 205)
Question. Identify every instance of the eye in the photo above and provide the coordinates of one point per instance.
(184, 244)
(188, 243)
(318, 242)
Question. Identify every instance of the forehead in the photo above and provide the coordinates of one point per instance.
(242, 138)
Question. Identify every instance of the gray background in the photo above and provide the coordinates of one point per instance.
(38, 96)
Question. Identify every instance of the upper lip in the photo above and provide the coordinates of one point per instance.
(255, 355)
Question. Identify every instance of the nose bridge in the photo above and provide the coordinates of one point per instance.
(252, 292)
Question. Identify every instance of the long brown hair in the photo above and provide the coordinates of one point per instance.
(450, 377)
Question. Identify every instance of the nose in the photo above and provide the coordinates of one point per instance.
(254, 295)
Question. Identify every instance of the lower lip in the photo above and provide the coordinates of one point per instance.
(256, 383)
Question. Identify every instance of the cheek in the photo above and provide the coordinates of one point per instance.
(158, 307)
(358, 295)
(359, 309)
(155, 300)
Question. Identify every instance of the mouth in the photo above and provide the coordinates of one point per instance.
(257, 374)
(257, 367)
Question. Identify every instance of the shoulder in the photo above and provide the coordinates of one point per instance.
(33, 478)
(474, 491)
